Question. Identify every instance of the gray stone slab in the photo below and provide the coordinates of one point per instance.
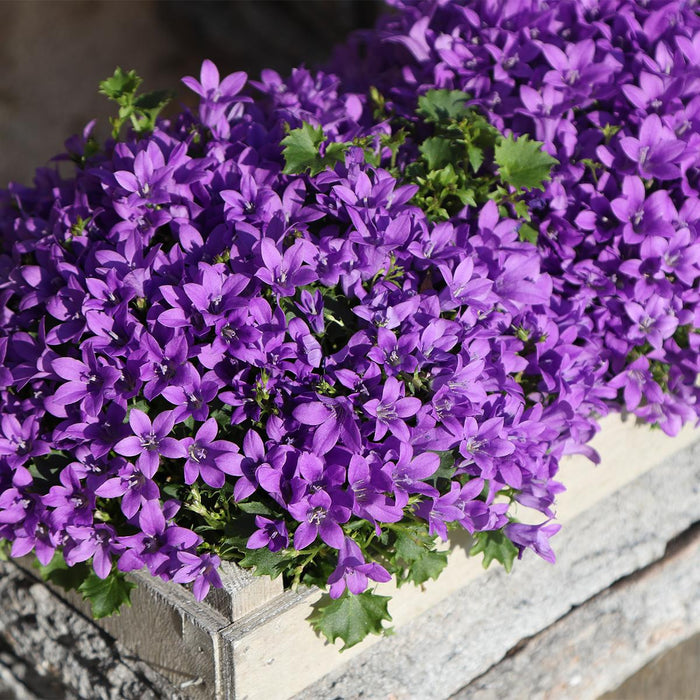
(460, 639)
(608, 639)
(48, 649)
(671, 675)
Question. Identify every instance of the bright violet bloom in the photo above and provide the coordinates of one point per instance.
(353, 572)
(390, 411)
(90, 381)
(209, 458)
(284, 273)
(92, 542)
(535, 537)
(202, 569)
(651, 322)
(655, 150)
(217, 96)
(150, 441)
(270, 533)
(334, 420)
(20, 441)
(133, 486)
(319, 514)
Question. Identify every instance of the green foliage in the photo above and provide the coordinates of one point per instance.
(523, 163)
(495, 546)
(527, 233)
(106, 595)
(140, 110)
(350, 617)
(416, 559)
(439, 106)
(303, 151)
(267, 563)
(62, 575)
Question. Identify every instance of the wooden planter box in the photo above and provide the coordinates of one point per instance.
(617, 596)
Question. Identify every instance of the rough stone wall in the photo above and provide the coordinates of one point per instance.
(49, 650)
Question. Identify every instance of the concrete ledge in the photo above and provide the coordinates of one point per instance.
(600, 644)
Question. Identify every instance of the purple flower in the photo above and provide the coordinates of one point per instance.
(209, 458)
(334, 420)
(390, 411)
(91, 382)
(651, 323)
(320, 514)
(270, 533)
(96, 542)
(285, 272)
(200, 568)
(352, 572)
(655, 150)
(150, 441)
(535, 537)
(134, 487)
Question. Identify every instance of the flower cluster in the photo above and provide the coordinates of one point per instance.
(611, 88)
(206, 355)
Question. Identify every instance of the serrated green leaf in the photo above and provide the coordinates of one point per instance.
(476, 157)
(106, 595)
(415, 547)
(437, 151)
(302, 151)
(265, 562)
(120, 84)
(350, 617)
(443, 105)
(428, 566)
(522, 210)
(495, 546)
(254, 508)
(523, 163)
(446, 469)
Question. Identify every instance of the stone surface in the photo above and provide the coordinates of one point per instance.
(605, 641)
(672, 675)
(50, 650)
(453, 643)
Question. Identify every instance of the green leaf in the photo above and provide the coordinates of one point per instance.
(523, 163)
(120, 84)
(350, 617)
(443, 105)
(476, 157)
(495, 546)
(302, 151)
(153, 100)
(416, 548)
(428, 566)
(106, 595)
(60, 574)
(254, 508)
(527, 233)
(266, 563)
(437, 151)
